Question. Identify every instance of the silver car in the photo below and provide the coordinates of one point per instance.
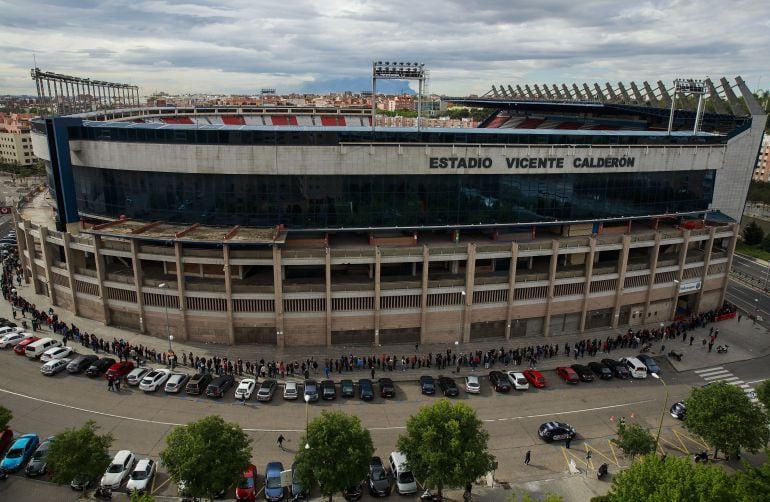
(176, 382)
(136, 375)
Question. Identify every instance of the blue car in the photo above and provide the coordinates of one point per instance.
(273, 489)
(21, 450)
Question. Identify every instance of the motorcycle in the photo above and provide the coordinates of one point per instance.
(721, 349)
(428, 495)
(602, 472)
(701, 457)
(676, 355)
(103, 493)
(3, 475)
(646, 347)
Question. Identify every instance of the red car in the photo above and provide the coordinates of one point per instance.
(247, 488)
(535, 378)
(21, 347)
(119, 369)
(568, 374)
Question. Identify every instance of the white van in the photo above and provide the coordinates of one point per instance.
(635, 367)
(405, 482)
(36, 349)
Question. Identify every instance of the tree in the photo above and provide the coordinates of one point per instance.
(634, 440)
(141, 497)
(338, 456)
(751, 481)
(446, 445)
(676, 479)
(5, 417)
(79, 452)
(753, 234)
(725, 417)
(765, 244)
(209, 455)
(763, 394)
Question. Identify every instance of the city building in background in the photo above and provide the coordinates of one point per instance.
(762, 170)
(15, 139)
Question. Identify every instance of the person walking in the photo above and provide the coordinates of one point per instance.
(372, 372)
(116, 384)
(527, 457)
(280, 441)
(109, 383)
(567, 442)
(692, 339)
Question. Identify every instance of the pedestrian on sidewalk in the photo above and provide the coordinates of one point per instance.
(372, 372)
(109, 384)
(527, 457)
(116, 384)
(280, 441)
(692, 339)
(567, 442)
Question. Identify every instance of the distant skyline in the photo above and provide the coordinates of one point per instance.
(242, 46)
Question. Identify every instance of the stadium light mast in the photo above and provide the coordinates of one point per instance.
(688, 86)
(391, 70)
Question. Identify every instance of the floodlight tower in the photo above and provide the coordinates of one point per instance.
(391, 70)
(688, 86)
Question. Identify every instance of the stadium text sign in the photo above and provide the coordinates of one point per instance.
(530, 162)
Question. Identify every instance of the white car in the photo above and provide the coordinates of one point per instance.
(7, 330)
(517, 380)
(119, 469)
(54, 366)
(472, 385)
(245, 388)
(56, 353)
(290, 391)
(142, 476)
(176, 382)
(10, 340)
(154, 380)
(136, 375)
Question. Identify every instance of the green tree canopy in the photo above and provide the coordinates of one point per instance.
(141, 497)
(676, 479)
(79, 452)
(750, 481)
(5, 417)
(446, 445)
(725, 417)
(339, 454)
(763, 394)
(634, 440)
(209, 455)
(753, 234)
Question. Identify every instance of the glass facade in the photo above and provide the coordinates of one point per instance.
(318, 202)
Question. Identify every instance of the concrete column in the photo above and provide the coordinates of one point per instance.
(622, 264)
(180, 287)
(470, 277)
(328, 271)
(71, 271)
(228, 294)
(278, 293)
(653, 272)
(101, 276)
(587, 285)
(730, 254)
(706, 263)
(454, 267)
(21, 244)
(47, 262)
(551, 280)
(377, 284)
(680, 272)
(414, 268)
(424, 292)
(31, 251)
(511, 288)
(137, 266)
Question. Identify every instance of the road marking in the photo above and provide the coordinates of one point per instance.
(716, 376)
(719, 374)
(707, 370)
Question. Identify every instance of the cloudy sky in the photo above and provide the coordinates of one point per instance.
(240, 46)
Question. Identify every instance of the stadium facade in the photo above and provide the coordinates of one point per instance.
(566, 210)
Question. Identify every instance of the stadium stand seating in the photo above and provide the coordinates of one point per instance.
(283, 120)
(233, 120)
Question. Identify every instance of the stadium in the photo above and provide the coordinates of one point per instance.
(566, 210)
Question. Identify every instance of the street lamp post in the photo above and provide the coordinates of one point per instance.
(663, 410)
(307, 420)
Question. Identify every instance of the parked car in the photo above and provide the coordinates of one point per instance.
(120, 369)
(54, 366)
(328, 390)
(19, 452)
(11, 339)
(136, 375)
(176, 382)
(600, 370)
(584, 372)
(678, 410)
(568, 374)
(535, 378)
(6, 439)
(297, 491)
(448, 386)
(652, 365)
(310, 390)
(246, 491)
(387, 389)
(472, 384)
(154, 380)
(518, 380)
(273, 489)
(347, 389)
(81, 363)
(365, 389)
(267, 390)
(220, 385)
(427, 385)
(100, 366)
(378, 479)
(55, 353)
(141, 476)
(118, 470)
(198, 384)
(290, 391)
(38, 464)
(245, 389)
(499, 381)
(353, 492)
(555, 431)
(21, 347)
(618, 369)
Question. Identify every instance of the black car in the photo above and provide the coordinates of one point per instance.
(267, 390)
(379, 481)
(600, 370)
(354, 492)
(328, 390)
(427, 385)
(37, 465)
(81, 363)
(365, 389)
(100, 367)
(499, 381)
(219, 385)
(347, 389)
(618, 368)
(8, 324)
(387, 389)
(678, 410)
(555, 431)
(448, 386)
(584, 372)
(652, 365)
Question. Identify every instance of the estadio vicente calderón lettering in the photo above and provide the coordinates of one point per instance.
(530, 162)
